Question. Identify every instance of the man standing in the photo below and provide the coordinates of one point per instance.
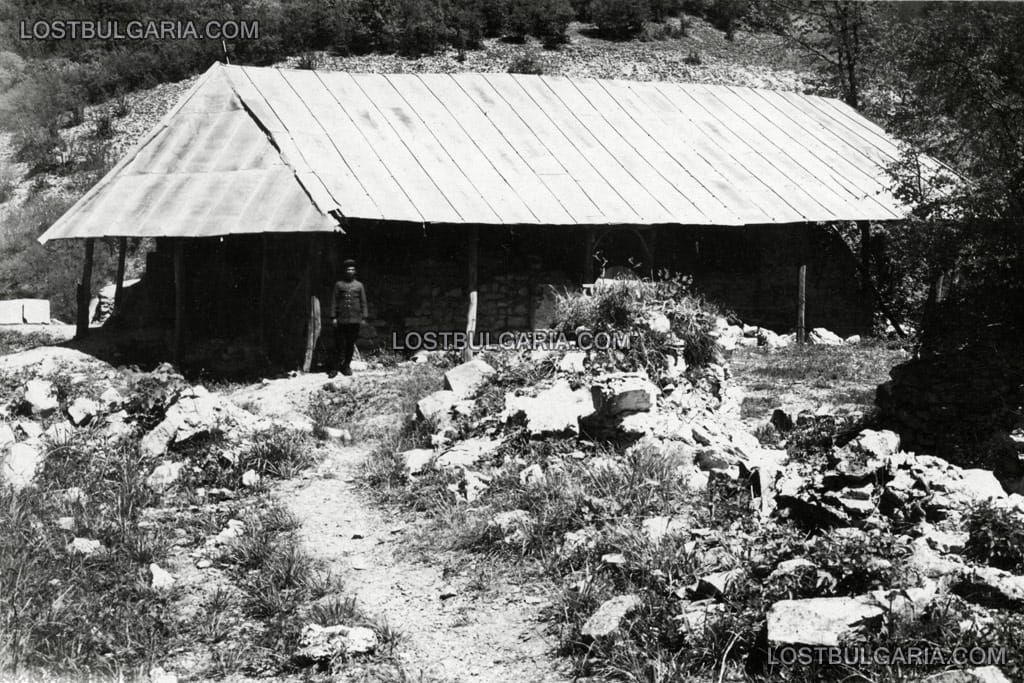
(348, 312)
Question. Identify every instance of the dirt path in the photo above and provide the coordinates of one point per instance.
(473, 635)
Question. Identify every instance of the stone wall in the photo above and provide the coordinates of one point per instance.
(754, 272)
(416, 278)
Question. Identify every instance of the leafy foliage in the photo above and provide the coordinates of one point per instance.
(625, 307)
(995, 537)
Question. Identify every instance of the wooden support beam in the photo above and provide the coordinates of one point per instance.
(801, 307)
(122, 253)
(588, 256)
(867, 290)
(262, 322)
(473, 257)
(313, 319)
(179, 300)
(84, 292)
(312, 333)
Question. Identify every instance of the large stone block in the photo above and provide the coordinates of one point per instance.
(555, 411)
(819, 621)
(465, 379)
(623, 393)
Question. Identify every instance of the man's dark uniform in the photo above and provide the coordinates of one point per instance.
(348, 308)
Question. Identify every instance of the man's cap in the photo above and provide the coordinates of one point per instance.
(348, 263)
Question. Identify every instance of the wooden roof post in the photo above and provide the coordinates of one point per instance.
(588, 257)
(866, 288)
(122, 252)
(801, 307)
(313, 324)
(84, 292)
(179, 300)
(473, 254)
(263, 292)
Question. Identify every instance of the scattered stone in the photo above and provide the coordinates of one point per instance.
(613, 558)
(250, 479)
(417, 459)
(82, 410)
(234, 529)
(196, 411)
(162, 580)
(160, 675)
(338, 434)
(719, 584)
(944, 541)
(657, 528)
(116, 425)
(513, 525)
(531, 475)
(84, 546)
(579, 540)
(436, 408)
(164, 476)
(819, 621)
(59, 432)
(697, 615)
(991, 587)
(555, 411)
(608, 617)
(463, 380)
(6, 434)
(20, 464)
(623, 393)
(981, 674)
(75, 495)
(819, 335)
(852, 339)
(40, 398)
(573, 362)
(792, 567)
(31, 430)
(324, 643)
(204, 564)
(467, 453)
(111, 398)
(66, 523)
(471, 486)
(908, 602)
(876, 443)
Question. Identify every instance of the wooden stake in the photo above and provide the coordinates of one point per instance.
(84, 292)
(801, 308)
(179, 300)
(122, 252)
(473, 253)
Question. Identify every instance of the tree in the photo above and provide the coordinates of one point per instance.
(961, 100)
(841, 36)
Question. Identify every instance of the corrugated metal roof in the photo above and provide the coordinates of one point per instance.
(254, 149)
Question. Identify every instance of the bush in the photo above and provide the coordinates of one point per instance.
(995, 537)
(546, 20)
(619, 18)
(8, 182)
(526, 64)
(625, 307)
